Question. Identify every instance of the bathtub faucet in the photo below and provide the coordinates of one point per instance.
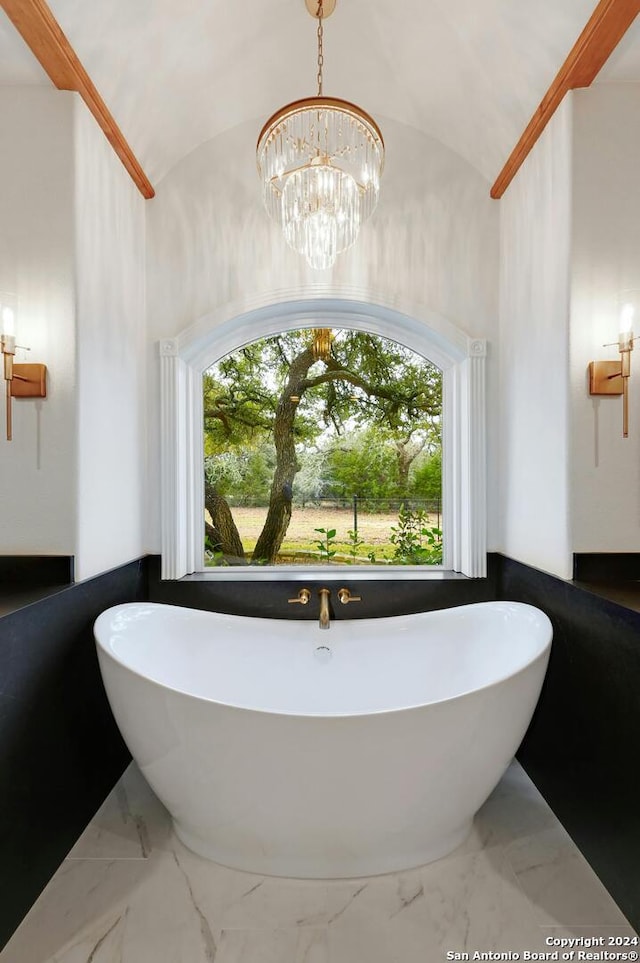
(324, 594)
(303, 599)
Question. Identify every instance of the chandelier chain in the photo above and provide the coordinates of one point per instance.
(319, 15)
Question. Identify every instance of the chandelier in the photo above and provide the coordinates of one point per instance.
(320, 161)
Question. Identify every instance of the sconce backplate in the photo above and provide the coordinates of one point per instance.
(605, 378)
(29, 381)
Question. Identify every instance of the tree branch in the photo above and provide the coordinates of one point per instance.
(341, 374)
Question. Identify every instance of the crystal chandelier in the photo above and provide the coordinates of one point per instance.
(320, 161)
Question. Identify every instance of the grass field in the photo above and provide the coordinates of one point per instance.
(300, 539)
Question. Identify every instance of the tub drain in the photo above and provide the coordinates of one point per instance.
(323, 653)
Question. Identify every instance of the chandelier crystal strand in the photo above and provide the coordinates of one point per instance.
(320, 161)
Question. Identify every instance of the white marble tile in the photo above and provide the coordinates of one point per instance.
(560, 884)
(273, 946)
(244, 901)
(312, 946)
(380, 897)
(380, 920)
(279, 903)
(468, 901)
(132, 893)
(513, 810)
(131, 823)
(232, 896)
(125, 911)
(375, 943)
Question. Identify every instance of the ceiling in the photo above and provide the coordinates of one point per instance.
(175, 74)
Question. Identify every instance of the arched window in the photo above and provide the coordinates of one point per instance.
(459, 358)
(322, 445)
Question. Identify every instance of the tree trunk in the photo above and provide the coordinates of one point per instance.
(223, 534)
(406, 456)
(404, 464)
(279, 512)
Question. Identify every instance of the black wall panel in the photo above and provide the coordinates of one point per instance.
(60, 751)
(583, 746)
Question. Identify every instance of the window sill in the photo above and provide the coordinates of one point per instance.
(325, 573)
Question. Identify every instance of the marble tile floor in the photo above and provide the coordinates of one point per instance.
(129, 892)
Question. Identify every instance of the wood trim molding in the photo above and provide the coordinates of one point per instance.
(42, 33)
(605, 29)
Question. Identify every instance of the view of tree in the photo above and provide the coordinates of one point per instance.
(364, 464)
(427, 479)
(281, 422)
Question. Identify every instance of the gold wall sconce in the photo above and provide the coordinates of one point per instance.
(612, 377)
(21, 380)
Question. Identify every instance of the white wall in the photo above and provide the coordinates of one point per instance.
(37, 468)
(535, 244)
(605, 483)
(432, 241)
(111, 352)
(72, 248)
(72, 239)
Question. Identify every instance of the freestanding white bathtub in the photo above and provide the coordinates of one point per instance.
(282, 749)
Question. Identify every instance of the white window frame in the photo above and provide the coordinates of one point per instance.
(462, 360)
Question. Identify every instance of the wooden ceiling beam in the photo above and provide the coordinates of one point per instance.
(42, 33)
(605, 29)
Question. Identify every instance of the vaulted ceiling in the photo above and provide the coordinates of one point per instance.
(175, 73)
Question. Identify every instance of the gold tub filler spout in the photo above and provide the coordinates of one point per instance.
(324, 594)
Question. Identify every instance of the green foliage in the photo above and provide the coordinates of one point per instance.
(362, 465)
(415, 542)
(212, 555)
(244, 475)
(311, 478)
(354, 544)
(242, 392)
(223, 471)
(325, 546)
(367, 381)
(426, 481)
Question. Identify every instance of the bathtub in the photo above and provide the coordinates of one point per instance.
(285, 750)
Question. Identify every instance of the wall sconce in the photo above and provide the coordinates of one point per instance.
(612, 377)
(21, 380)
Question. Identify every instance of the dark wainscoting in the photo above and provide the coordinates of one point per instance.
(27, 578)
(60, 751)
(582, 747)
(29, 570)
(613, 575)
(606, 566)
(266, 599)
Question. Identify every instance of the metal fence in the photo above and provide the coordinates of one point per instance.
(357, 504)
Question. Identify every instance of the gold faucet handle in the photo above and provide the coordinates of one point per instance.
(302, 597)
(345, 596)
